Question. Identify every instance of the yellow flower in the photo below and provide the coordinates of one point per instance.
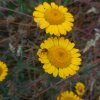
(99, 98)
(55, 19)
(59, 57)
(3, 70)
(68, 95)
(80, 88)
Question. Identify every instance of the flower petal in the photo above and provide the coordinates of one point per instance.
(63, 9)
(53, 5)
(61, 29)
(70, 46)
(61, 74)
(46, 5)
(38, 14)
(40, 8)
(55, 73)
(43, 24)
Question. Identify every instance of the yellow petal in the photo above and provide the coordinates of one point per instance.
(68, 26)
(76, 55)
(73, 51)
(76, 63)
(55, 73)
(46, 5)
(63, 9)
(42, 45)
(37, 19)
(49, 29)
(41, 54)
(44, 60)
(40, 8)
(76, 59)
(68, 15)
(38, 14)
(50, 70)
(53, 5)
(74, 67)
(61, 41)
(55, 40)
(69, 19)
(71, 72)
(56, 32)
(70, 46)
(46, 66)
(49, 43)
(52, 29)
(61, 29)
(45, 45)
(43, 24)
(65, 73)
(61, 74)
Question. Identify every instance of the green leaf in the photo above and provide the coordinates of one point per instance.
(21, 65)
(52, 79)
(87, 68)
(10, 6)
(1, 14)
(67, 2)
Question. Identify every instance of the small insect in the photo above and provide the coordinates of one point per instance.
(44, 50)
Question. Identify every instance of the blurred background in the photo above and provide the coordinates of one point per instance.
(20, 39)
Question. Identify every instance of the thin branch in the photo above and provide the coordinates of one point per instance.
(6, 39)
(80, 30)
(4, 8)
(63, 80)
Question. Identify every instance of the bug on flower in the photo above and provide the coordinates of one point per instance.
(44, 50)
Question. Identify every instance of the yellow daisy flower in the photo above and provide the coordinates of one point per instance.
(68, 95)
(59, 57)
(55, 19)
(3, 70)
(80, 88)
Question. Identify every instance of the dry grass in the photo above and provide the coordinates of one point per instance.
(20, 39)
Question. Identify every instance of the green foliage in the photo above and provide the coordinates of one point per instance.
(86, 69)
(67, 2)
(41, 1)
(26, 78)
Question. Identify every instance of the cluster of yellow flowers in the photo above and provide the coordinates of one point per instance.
(69, 95)
(58, 55)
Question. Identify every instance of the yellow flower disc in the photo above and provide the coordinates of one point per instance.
(80, 88)
(55, 19)
(3, 70)
(54, 16)
(68, 95)
(59, 57)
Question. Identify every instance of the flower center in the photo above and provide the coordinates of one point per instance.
(59, 57)
(54, 16)
(80, 88)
